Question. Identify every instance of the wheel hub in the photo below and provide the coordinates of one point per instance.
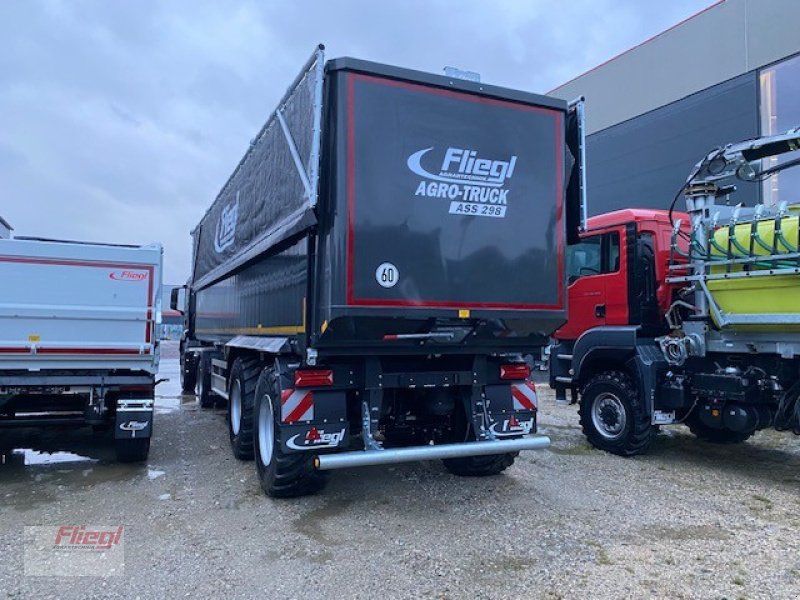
(266, 431)
(608, 416)
(236, 407)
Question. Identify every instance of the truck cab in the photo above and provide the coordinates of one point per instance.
(618, 292)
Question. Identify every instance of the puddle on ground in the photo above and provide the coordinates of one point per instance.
(35, 457)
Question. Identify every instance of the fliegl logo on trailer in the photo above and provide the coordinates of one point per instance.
(226, 226)
(474, 184)
(128, 275)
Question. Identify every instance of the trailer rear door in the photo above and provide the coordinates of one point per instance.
(453, 198)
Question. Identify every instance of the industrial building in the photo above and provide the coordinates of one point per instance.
(728, 73)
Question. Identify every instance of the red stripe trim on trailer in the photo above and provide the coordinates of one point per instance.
(558, 121)
(13, 350)
(149, 322)
(522, 399)
(305, 405)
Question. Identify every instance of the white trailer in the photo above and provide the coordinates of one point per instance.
(78, 342)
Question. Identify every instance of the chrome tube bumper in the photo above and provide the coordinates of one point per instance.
(363, 458)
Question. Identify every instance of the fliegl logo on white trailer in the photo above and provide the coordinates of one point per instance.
(474, 184)
(128, 275)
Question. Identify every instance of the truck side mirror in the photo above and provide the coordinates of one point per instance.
(177, 299)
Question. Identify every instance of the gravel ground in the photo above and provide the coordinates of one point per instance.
(690, 520)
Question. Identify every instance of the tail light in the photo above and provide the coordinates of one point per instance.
(313, 378)
(515, 371)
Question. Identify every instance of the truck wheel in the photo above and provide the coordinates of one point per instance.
(241, 393)
(132, 449)
(202, 385)
(612, 415)
(716, 436)
(282, 474)
(474, 466)
(188, 375)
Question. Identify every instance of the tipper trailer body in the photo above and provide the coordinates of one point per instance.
(367, 281)
(78, 342)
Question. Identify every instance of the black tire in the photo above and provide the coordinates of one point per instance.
(281, 474)
(715, 436)
(202, 386)
(474, 466)
(241, 393)
(130, 450)
(188, 372)
(612, 415)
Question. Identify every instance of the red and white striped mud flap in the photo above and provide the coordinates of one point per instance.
(524, 396)
(297, 405)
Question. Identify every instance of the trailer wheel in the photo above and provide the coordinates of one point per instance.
(281, 474)
(612, 415)
(474, 466)
(188, 374)
(715, 436)
(241, 393)
(202, 386)
(132, 449)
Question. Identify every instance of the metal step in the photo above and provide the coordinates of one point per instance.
(564, 356)
(563, 379)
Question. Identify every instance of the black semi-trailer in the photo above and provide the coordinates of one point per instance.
(367, 282)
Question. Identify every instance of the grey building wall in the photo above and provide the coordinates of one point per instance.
(729, 38)
(643, 161)
(655, 110)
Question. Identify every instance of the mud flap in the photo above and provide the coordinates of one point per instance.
(313, 419)
(511, 409)
(134, 419)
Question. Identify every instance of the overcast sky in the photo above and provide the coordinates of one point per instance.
(121, 119)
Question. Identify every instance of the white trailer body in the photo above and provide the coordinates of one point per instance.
(78, 343)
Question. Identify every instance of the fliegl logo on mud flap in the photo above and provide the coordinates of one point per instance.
(474, 184)
(512, 426)
(226, 226)
(315, 438)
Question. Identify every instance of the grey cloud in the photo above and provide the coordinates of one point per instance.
(120, 121)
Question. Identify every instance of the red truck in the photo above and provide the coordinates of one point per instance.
(687, 318)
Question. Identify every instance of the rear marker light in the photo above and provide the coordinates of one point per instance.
(316, 378)
(515, 371)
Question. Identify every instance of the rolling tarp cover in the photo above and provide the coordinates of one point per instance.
(264, 201)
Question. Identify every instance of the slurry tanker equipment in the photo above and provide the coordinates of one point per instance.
(368, 280)
(688, 318)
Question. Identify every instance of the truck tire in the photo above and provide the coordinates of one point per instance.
(130, 450)
(202, 386)
(715, 436)
(612, 415)
(474, 466)
(188, 374)
(241, 394)
(281, 474)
